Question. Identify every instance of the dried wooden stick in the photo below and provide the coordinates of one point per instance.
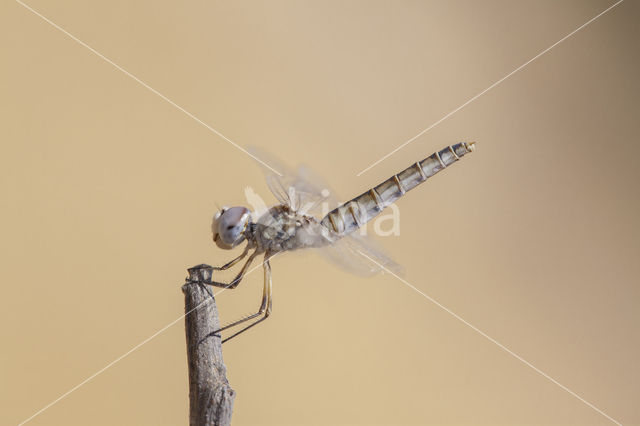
(210, 395)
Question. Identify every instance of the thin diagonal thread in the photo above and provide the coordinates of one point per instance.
(103, 57)
(130, 351)
(491, 339)
(489, 88)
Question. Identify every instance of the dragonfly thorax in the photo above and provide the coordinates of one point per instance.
(281, 229)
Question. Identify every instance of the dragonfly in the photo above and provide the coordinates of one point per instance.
(293, 224)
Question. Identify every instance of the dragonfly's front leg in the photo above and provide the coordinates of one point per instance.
(265, 305)
(234, 283)
(233, 261)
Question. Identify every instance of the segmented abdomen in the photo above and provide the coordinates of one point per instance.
(355, 213)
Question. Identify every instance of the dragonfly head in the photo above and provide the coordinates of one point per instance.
(229, 225)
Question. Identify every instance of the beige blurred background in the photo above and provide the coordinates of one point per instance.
(108, 191)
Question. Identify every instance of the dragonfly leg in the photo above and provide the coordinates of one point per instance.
(233, 261)
(234, 283)
(265, 306)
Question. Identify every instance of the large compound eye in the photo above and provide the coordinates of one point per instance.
(229, 225)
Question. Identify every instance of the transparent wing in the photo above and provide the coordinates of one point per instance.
(360, 255)
(277, 183)
(302, 190)
(306, 192)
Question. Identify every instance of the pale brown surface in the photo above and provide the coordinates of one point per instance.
(101, 184)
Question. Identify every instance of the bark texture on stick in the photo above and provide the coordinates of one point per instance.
(210, 395)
